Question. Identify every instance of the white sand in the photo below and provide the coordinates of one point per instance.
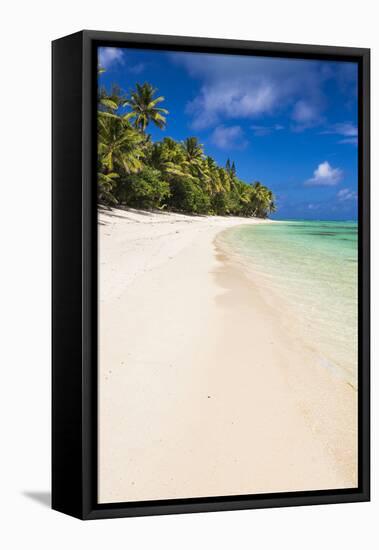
(202, 391)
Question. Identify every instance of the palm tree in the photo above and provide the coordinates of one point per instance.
(263, 199)
(119, 146)
(212, 171)
(193, 158)
(271, 201)
(109, 102)
(167, 156)
(144, 108)
(127, 156)
(106, 183)
(193, 151)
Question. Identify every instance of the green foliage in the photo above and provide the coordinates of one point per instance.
(106, 184)
(220, 204)
(144, 108)
(188, 196)
(145, 189)
(134, 171)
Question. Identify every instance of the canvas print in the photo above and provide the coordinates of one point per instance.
(227, 274)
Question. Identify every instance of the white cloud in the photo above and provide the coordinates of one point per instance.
(137, 69)
(230, 100)
(235, 87)
(346, 195)
(325, 174)
(351, 141)
(231, 137)
(306, 114)
(109, 56)
(265, 130)
(347, 130)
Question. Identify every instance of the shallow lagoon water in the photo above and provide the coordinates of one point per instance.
(313, 266)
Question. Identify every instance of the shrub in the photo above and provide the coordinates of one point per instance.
(145, 189)
(187, 196)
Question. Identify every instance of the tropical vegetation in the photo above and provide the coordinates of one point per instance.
(137, 172)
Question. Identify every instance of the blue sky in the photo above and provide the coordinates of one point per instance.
(289, 123)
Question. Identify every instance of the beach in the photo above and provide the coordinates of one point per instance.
(204, 388)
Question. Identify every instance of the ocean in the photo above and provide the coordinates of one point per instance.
(312, 268)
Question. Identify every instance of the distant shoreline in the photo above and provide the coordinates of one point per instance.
(201, 392)
(102, 208)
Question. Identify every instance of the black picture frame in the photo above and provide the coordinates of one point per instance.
(74, 272)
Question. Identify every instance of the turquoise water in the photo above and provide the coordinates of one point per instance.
(313, 267)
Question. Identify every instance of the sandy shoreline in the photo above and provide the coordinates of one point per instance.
(201, 392)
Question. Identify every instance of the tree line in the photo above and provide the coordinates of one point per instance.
(137, 172)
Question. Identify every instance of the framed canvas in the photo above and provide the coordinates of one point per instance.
(210, 275)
